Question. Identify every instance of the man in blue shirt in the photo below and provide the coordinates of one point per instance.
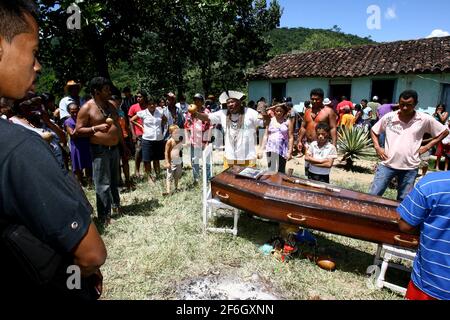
(427, 210)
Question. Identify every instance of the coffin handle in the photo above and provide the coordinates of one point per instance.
(291, 217)
(223, 197)
(412, 243)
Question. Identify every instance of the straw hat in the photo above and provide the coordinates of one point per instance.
(71, 83)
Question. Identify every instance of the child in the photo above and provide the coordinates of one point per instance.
(321, 154)
(348, 119)
(173, 160)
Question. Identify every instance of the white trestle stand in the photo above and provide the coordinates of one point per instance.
(213, 207)
(384, 258)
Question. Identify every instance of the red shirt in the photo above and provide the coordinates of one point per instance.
(340, 108)
(134, 109)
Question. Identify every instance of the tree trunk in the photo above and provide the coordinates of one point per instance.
(97, 46)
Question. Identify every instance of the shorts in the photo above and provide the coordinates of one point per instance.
(424, 158)
(152, 150)
(175, 172)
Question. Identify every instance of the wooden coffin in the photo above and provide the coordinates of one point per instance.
(321, 206)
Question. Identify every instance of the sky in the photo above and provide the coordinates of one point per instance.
(383, 20)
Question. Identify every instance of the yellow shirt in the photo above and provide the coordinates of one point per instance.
(348, 120)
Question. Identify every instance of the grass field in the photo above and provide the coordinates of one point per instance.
(158, 244)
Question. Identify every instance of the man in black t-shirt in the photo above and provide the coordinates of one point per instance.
(35, 193)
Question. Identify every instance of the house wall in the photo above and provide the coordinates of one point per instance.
(258, 89)
(428, 86)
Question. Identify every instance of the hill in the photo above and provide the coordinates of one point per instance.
(288, 40)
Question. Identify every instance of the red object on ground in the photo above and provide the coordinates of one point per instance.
(414, 293)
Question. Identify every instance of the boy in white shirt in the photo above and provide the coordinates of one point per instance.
(321, 154)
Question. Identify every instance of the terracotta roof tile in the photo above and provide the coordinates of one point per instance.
(413, 56)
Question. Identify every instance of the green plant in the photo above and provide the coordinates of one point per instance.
(353, 144)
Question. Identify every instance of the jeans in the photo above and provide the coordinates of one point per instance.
(196, 155)
(106, 171)
(384, 175)
(381, 139)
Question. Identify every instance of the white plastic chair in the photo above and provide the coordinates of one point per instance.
(213, 207)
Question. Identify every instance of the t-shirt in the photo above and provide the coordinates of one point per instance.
(384, 109)
(328, 151)
(403, 140)
(366, 113)
(239, 143)
(198, 130)
(153, 130)
(373, 106)
(427, 207)
(63, 107)
(135, 108)
(348, 120)
(37, 193)
(183, 107)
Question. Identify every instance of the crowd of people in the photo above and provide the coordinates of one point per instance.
(46, 205)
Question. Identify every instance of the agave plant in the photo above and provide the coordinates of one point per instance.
(354, 143)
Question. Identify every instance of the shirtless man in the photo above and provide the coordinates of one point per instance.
(317, 113)
(105, 136)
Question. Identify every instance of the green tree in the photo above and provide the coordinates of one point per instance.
(107, 33)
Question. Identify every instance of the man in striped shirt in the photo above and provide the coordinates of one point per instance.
(427, 210)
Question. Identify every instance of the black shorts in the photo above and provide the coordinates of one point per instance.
(319, 177)
(152, 150)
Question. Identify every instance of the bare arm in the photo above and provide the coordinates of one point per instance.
(324, 163)
(54, 128)
(407, 228)
(83, 128)
(333, 127)
(301, 135)
(90, 253)
(167, 153)
(134, 121)
(433, 142)
(380, 151)
(291, 140)
(202, 116)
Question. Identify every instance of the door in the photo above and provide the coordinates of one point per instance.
(278, 92)
(446, 96)
(384, 89)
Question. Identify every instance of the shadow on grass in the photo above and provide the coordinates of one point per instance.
(355, 168)
(143, 208)
(347, 258)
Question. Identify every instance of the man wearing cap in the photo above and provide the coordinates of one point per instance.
(374, 105)
(72, 90)
(240, 128)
